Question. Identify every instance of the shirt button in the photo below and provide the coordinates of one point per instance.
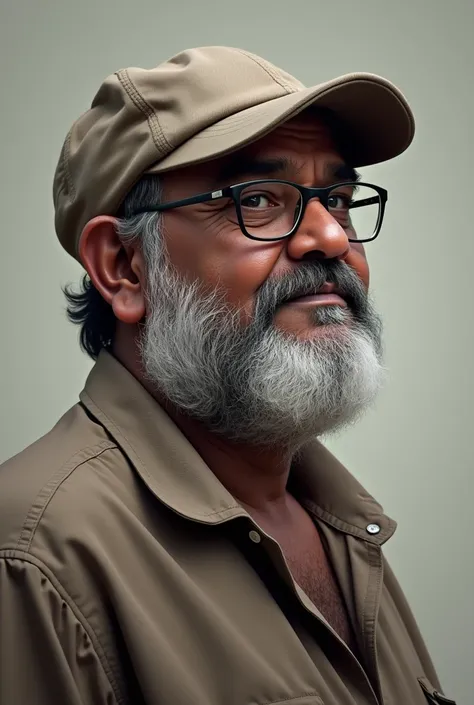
(255, 536)
(373, 529)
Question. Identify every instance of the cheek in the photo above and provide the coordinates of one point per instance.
(248, 270)
(251, 265)
(191, 244)
(356, 258)
(218, 254)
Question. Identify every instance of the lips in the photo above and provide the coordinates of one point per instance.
(322, 299)
(328, 295)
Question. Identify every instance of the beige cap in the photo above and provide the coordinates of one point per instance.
(198, 105)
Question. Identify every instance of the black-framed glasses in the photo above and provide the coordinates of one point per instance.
(271, 209)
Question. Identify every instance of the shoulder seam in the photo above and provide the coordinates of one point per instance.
(48, 490)
(13, 554)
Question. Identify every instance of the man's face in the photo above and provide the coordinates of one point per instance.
(223, 341)
(204, 244)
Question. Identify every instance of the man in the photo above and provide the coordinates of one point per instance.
(181, 536)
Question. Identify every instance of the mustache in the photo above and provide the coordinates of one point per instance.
(308, 279)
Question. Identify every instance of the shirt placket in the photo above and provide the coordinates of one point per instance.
(370, 615)
(362, 560)
(368, 671)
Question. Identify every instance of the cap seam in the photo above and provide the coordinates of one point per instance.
(233, 124)
(159, 139)
(281, 82)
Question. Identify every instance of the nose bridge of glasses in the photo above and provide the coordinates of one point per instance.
(318, 220)
(314, 193)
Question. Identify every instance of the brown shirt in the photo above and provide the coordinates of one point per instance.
(128, 574)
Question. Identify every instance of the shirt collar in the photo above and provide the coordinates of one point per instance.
(175, 472)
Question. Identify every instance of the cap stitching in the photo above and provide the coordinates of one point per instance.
(216, 128)
(161, 143)
(267, 68)
(227, 129)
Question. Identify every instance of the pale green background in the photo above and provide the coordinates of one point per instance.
(414, 450)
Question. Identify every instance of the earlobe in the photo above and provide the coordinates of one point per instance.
(115, 270)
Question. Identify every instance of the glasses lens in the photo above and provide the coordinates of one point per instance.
(269, 210)
(356, 209)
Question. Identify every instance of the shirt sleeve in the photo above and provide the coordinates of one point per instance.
(46, 653)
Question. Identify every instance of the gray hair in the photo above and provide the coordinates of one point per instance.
(86, 307)
(145, 227)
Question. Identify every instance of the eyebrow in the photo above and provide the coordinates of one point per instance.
(239, 168)
(345, 172)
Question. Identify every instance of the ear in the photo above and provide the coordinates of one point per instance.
(117, 271)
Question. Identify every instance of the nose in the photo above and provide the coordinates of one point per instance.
(319, 236)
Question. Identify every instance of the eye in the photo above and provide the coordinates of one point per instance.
(339, 201)
(257, 200)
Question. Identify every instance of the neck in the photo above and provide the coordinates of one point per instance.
(256, 476)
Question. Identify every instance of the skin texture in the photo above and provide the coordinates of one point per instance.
(203, 245)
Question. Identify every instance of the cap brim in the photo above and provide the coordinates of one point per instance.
(377, 119)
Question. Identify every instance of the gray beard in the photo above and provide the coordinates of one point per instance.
(258, 385)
